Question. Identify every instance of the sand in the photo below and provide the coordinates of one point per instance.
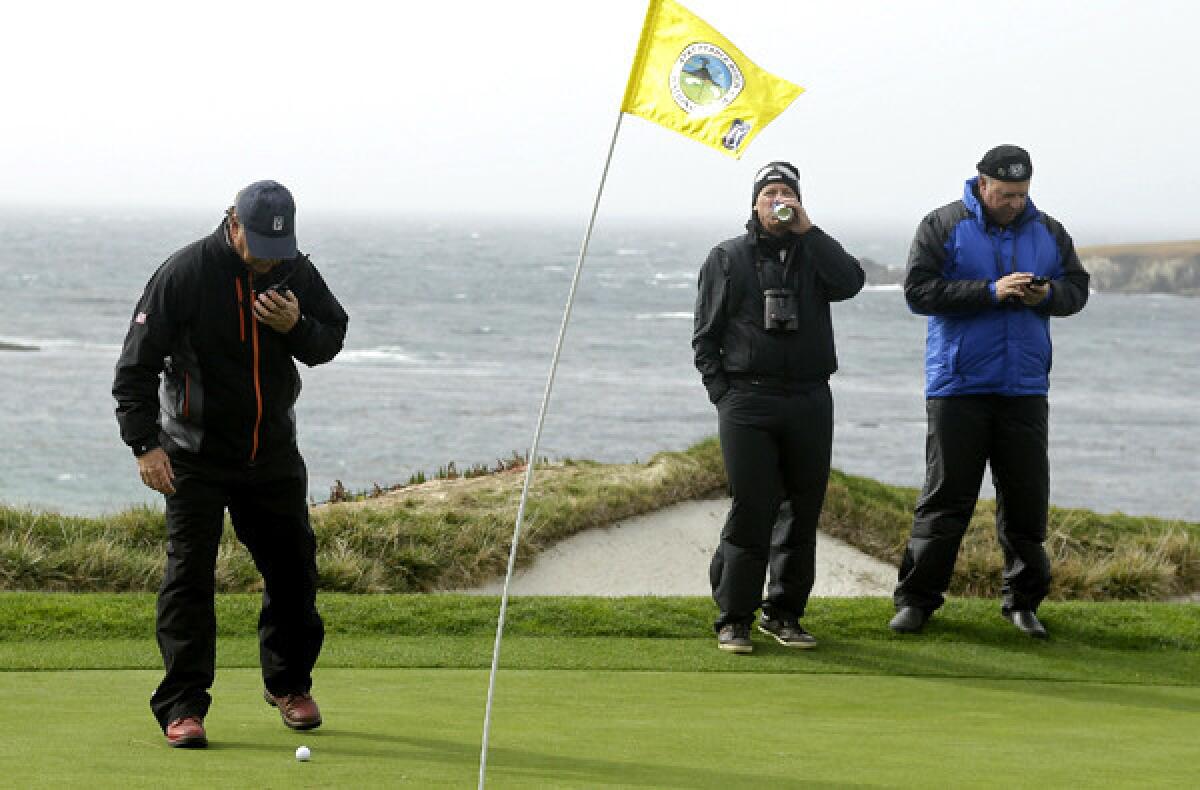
(667, 553)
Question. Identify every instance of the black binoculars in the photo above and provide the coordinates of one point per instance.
(780, 312)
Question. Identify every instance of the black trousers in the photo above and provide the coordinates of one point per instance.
(964, 433)
(268, 507)
(776, 445)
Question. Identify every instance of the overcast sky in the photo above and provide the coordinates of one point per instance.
(508, 107)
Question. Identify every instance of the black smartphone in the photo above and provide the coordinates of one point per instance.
(280, 288)
(1039, 280)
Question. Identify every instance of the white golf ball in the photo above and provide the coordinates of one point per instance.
(303, 754)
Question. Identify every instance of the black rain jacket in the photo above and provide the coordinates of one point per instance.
(199, 372)
(729, 336)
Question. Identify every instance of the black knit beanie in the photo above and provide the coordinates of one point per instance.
(776, 173)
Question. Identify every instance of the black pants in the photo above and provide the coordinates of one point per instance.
(964, 433)
(268, 506)
(776, 445)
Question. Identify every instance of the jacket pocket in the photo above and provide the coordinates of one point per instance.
(172, 394)
(181, 395)
(1037, 353)
(738, 348)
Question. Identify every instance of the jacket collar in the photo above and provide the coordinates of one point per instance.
(219, 247)
(760, 238)
(971, 199)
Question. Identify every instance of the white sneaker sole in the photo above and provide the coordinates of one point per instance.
(797, 645)
(736, 648)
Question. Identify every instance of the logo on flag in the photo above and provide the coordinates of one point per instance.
(689, 78)
(736, 134)
(705, 80)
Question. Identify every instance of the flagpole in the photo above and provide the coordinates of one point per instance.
(531, 459)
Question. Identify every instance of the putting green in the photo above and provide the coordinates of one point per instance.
(562, 728)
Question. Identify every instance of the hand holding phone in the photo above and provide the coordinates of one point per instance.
(277, 307)
(1039, 280)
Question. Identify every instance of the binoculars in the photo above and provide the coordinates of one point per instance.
(780, 311)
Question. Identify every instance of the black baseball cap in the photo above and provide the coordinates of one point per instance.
(1006, 163)
(267, 215)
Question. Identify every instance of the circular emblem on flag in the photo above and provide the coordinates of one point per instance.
(705, 80)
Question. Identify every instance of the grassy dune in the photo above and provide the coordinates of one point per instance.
(449, 533)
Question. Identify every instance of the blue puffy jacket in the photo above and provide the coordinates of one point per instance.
(975, 344)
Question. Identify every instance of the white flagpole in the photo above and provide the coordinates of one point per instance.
(531, 459)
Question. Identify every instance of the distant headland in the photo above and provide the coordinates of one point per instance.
(1157, 267)
(1171, 267)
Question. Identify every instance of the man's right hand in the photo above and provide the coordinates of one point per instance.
(155, 469)
(1012, 286)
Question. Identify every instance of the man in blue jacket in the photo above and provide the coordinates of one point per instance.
(989, 270)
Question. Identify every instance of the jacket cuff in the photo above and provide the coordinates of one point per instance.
(298, 329)
(146, 445)
(299, 334)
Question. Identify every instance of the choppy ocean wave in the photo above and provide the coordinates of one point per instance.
(57, 345)
(386, 353)
(451, 334)
(685, 315)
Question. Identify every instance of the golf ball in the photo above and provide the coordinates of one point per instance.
(303, 754)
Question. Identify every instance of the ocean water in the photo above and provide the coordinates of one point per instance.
(452, 329)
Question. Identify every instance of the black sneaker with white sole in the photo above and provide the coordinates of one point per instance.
(735, 638)
(787, 633)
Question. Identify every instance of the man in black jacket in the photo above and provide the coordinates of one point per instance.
(763, 341)
(205, 389)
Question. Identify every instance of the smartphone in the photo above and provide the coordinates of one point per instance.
(1039, 280)
(280, 288)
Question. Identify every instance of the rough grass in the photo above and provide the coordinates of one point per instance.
(1096, 557)
(435, 535)
(447, 534)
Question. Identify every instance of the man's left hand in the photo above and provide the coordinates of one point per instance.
(1033, 295)
(278, 311)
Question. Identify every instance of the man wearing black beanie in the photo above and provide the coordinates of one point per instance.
(989, 271)
(763, 344)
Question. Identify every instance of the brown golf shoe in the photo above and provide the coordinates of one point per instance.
(298, 711)
(187, 732)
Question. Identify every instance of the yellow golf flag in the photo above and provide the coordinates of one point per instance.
(688, 77)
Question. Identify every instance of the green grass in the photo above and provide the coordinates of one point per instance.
(626, 692)
(1113, 642)
(562, 729)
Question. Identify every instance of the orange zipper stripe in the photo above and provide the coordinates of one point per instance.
(241, 310)
(257, 384)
